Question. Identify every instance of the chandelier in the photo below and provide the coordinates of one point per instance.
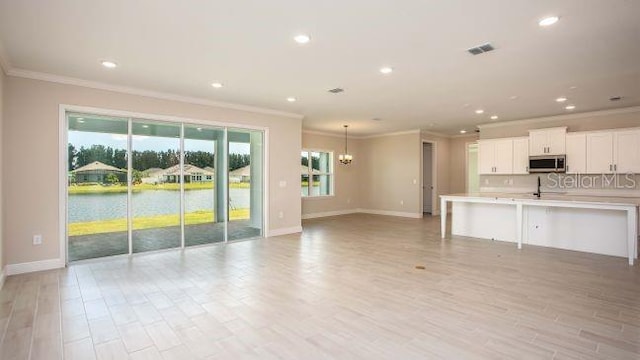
(345, 158)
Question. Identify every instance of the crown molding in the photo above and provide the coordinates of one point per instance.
(322, 133)
(398, 133)
(472, 135)
(5, 64)
(34, 75)
(434, 133)
(624, 110)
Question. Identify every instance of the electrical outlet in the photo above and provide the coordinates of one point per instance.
(283, 183)
(401, 202)
(510, 181)
(281, 214)
(348, 200)
(37, 239)
(415, 181)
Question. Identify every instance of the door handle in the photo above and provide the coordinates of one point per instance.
(610, 167)
(615, 167)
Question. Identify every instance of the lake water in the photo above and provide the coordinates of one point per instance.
(93, 207)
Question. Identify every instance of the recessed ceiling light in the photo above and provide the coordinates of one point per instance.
(513, 97)
(217, 85)
(302, 38)
(572, 87)
(550, 20)
(570, 107)
(479, 111)
(463, 131)
(291, 99)
(561, 99)
(494, 117)
(386, 70)
(465, 105)
(109, 64)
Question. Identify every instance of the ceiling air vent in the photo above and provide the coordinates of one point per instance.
(336, 90)
(615, 98)
(477, 50)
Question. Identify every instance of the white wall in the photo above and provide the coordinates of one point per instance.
(30, 157)
(391, 174)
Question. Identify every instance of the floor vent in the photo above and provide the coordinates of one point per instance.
(481, 49)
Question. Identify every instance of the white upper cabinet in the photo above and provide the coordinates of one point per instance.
(576, 153)
(613, 151)
(600, 152)
(626, 151)
(495, 157)
(547, 141)
(521, 156)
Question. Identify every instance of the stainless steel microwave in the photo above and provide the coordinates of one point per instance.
(547, 164)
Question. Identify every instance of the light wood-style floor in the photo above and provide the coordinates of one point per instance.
(348, 288)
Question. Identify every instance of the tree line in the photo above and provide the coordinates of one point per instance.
(147, 159)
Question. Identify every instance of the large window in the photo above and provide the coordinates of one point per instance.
(138, 185)
(317, 173)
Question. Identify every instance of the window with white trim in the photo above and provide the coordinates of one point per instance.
(317, 173)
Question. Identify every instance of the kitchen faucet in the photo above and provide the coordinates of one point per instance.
(538, 193)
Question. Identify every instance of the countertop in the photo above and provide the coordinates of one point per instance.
(559, 197)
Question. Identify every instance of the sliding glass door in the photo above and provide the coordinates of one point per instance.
(204, 195)
(245, 184)
(155, 188)
(97, 186)
(139, 185)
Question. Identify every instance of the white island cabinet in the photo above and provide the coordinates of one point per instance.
(601, 225)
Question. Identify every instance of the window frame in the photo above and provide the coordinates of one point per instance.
(310, 174)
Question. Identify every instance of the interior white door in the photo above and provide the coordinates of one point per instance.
(600, 153)
(427, 178)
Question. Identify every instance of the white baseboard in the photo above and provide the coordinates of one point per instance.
(329, 213)
(14, 269)
(391, 213)
(285, 231)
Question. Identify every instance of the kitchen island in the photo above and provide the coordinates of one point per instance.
(601, 225)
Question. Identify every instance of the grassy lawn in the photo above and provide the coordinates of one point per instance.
(139, 223)
(122, 188)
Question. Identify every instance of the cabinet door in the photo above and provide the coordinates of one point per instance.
(537, 142)
(521, 156)
(556, 141)
(626, 151)
(576, 153)
(599, 153)
(486, 157)
(504, 157)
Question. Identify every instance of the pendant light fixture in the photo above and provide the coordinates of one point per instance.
(345, 158)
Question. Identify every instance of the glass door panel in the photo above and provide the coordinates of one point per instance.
(245, 162)
(156, 182)
(204, 153)
(97, 186)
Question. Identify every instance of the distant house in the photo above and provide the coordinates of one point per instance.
(97, 172)
(242, 174)
(192, 174)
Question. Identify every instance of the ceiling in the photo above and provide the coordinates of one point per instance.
(590, 55)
